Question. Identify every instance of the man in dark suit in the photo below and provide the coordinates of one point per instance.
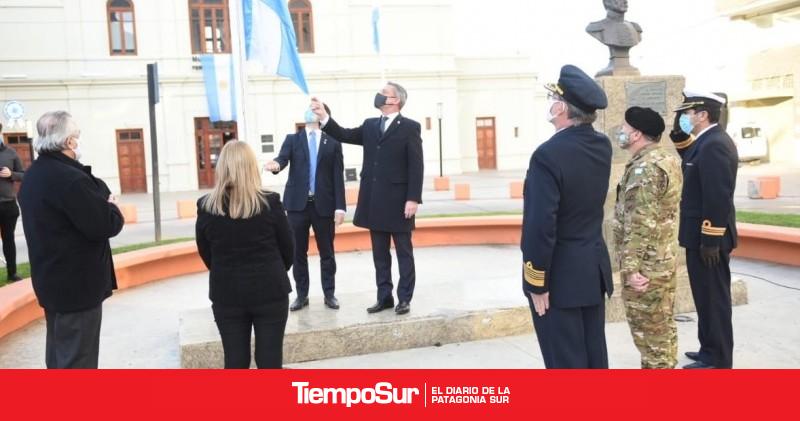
(314, 197)
(566, 266)
(69, 216)
(708, 222)
(391, 188)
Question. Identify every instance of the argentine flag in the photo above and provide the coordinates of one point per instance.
(269, 39)
(220, 81)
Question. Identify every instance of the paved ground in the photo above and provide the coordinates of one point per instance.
(490, 193)
(140, 326)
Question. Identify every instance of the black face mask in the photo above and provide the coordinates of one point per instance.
(380, 100)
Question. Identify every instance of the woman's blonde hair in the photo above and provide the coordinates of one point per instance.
(238, 184)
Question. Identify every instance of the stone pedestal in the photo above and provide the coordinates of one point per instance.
(661, 93)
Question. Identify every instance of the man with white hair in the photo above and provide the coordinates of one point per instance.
(391, 189)
(68, 216)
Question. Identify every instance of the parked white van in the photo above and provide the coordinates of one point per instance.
(751, 143)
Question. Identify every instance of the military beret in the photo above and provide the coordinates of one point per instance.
(577, 88)
(646, 120)
(694, 99)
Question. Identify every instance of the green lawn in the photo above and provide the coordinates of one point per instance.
(781, 220)
(461, 215)
(24, 269)
(134, 247)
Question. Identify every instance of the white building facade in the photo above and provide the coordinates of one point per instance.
(89, 57)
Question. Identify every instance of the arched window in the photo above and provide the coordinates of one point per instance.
(121, 28)
(303, 21)
(210, 26)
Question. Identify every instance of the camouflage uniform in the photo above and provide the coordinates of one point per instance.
(645, 221)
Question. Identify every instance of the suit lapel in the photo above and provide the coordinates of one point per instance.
(378, 129)
(395, 123)
(303, 139)
(703, 138)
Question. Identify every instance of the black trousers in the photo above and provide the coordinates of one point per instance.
(572, 337)
(9, 213)
(381, 243)
(711, 289)
(236, 325)
(324, 233)
(73, 339)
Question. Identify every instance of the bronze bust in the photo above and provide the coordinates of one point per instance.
(619, 35)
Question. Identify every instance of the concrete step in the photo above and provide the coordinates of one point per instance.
(441, 313)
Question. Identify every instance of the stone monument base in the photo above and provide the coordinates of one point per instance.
(317, 333)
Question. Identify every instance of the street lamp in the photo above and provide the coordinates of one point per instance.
(439, 114)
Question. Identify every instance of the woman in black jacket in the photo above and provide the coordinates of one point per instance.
(244, 239)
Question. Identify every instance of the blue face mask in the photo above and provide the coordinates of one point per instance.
(686, 123)
(310, 117)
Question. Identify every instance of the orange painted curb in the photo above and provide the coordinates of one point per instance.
(157, 263)
(769, 244)
(18, 304)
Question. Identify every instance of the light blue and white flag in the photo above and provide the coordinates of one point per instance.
(269, 39)
(220, 81)
(376, 35)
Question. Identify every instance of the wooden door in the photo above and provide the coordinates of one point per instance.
(130, 160)
(22, 145)
(486, 141)
(209, 140)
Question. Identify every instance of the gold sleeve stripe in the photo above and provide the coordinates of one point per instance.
(685, 144)
(533, 276)
(711, 230)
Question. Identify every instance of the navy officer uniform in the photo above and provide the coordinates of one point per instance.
(564, 254)
(708, 221)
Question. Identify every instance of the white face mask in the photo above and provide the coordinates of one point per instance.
(550, 116)
(77, 150)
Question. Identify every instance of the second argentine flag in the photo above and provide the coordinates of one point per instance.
(220, 81)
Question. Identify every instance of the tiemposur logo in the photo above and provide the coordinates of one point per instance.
(382, 394)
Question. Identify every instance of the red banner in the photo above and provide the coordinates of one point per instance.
(423, 394)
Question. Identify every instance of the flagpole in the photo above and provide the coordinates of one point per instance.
(239, 52)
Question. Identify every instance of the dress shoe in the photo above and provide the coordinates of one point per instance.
(403, 308)
(694, 356)
(332, 303)
(379, 306)
(697, 364)
(14, 278)
(299, 303)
